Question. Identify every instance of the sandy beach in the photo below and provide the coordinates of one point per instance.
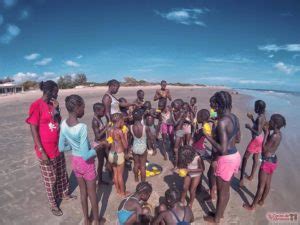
(23, 198)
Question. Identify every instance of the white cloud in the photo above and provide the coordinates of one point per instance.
(44, 62)
(12, 31)
(276, 48)
(32, 56)
(230, 59)
(287, 69)
(79, 56)
(185, 16)
(9, 3)
(71, 63)
(271, 56)
(22, 77)
(24, 14)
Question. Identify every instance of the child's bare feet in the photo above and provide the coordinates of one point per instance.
(248, 207)
(210, 219)
(261, 203)
(241, 183)
(86, 222)
(250, 178)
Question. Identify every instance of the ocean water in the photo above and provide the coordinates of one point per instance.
(285, 182)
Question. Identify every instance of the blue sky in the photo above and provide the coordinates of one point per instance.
(254, 44)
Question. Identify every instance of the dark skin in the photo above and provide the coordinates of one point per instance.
(256, 130)
(133, 205)
(140, 99)
(140, 160)
(166, 217)
(270, 145)
(193, 106)
(49, 98)
(106, 100)
(179, 118)
(87, 188)
(190, 117)
(191, 183)
(163, 92)
(99, 132)
(151, 141)
(224, 129)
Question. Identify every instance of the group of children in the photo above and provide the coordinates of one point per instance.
(139, 130)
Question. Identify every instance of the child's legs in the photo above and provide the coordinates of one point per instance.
(244, 164)
(115, 173)
(143, 160)
(212, 179)
(178, 141)
(136, 166)
(120, 171)
(171, 135)
(100, 156)
(262, 180)
(254, 165)
(188, 139)
(267, 189)
(193, 187)
(164, 149)
(83, 197)
(223, 197)
(186, 186)
(91, 191)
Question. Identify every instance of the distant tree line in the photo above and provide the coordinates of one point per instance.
(68, 81)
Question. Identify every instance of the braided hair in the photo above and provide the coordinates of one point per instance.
(186, 155)
(223, 100)
(278, 120)
(47, 86)
(143, 187)
(72, 102)
(172, 196)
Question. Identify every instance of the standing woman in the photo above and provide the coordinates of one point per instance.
(111, 103)
(228, 158)
(44, 119)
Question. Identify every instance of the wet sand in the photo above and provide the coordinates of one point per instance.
(23, 198)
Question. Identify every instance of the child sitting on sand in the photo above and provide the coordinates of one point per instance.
(73, 136)
(255, 145)
(194, 166)
(131, 211)
(140, 133)
(119, 144)
(100, 125)
(199, 137)
(271, 143)
(173, 212)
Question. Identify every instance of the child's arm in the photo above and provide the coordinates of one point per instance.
(221, 129)
(107, 103)
(63, 144)
(159, 218)
(259, 127)
(98, 132)
(157, 95)
(87, 153)
(123, 138)
(169, 95)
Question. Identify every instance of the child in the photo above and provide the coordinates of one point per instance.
(100, 125)
(271, 143)
(73, 136)
(163, 92)
(189, 160)
(166, 125)
(213, 113)
(199, 137)
(140, 98)
(178, 117)
(255, 145)
(118, 140)
(193, 106)
(173, 212)
(140, 135)
(130, 210)
(228, 158)
(187, 125)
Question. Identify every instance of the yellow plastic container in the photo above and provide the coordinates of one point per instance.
(182, 172)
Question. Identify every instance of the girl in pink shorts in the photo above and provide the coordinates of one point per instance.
(73, 136)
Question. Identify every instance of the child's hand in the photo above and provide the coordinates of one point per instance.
(250, 116)
(266, 127)
(45, 158)
(248, 126)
